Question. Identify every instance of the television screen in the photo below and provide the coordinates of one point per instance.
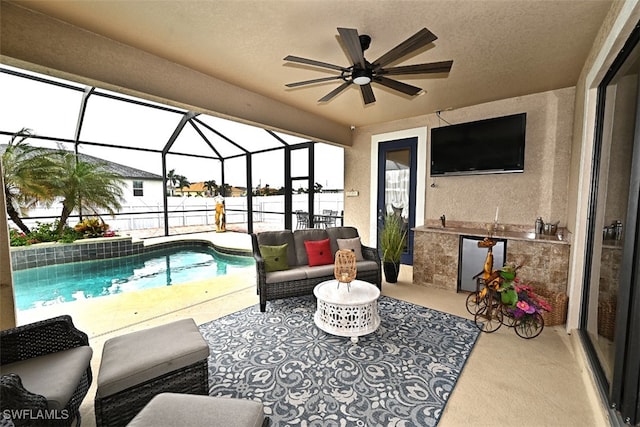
(486, 146)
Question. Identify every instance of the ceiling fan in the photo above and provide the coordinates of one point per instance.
(363, 72)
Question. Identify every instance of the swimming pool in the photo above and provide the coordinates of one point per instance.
(61, 283)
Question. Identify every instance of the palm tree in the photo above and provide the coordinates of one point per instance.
(211, 186)
(86, 185)
(27, 172)
(182, 181)
(225, 190)
(172, 178)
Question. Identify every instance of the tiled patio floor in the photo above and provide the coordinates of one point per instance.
(507, 380)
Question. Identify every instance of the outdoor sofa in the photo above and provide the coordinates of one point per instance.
(291, 263)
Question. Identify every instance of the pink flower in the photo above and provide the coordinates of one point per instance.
(545, 305)
(524, 306)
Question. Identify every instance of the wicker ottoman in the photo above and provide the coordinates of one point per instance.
(171, 409)
(137, 366)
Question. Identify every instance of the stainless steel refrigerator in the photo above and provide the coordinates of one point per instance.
(472, 260)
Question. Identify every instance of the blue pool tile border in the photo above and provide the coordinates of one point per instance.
(62, 253)
(45, 254)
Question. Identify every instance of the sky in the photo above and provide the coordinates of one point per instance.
(52, 111)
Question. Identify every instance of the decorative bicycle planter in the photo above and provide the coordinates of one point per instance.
(498, 300)
(490, 314)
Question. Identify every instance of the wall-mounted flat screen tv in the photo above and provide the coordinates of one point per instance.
(493, 145)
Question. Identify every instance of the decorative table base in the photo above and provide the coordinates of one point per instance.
(347, 311)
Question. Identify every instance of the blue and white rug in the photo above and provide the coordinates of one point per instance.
(400, 375)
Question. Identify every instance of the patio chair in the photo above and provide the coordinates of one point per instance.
(45, 372)
(330, 218)
(302, 220)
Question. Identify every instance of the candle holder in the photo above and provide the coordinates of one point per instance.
(491, 228)
(344, 269)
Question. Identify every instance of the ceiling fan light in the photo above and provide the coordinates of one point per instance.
(361, 77)
(362, 80)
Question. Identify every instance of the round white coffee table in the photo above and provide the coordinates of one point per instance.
(347, 311)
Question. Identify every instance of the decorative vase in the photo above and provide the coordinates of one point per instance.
(390, 271)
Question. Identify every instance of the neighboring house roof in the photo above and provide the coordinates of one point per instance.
(198, 187)
(238, 191)
(122, 170)
(193, 188)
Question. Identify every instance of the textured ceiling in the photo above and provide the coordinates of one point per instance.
(500, 49)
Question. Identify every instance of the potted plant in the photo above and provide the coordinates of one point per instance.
(393, 237)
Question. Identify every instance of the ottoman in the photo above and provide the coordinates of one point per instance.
(171, 409)
(137, 366)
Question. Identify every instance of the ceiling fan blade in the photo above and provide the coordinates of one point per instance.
(351, 41)
(399, 86)
(315, 63)
(367, 94)
(334, 92)
(416, 41)
(308, 82)
(433, 67)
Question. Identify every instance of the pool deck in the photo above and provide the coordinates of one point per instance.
(229, 239)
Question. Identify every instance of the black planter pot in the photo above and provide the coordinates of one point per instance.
(391, 270)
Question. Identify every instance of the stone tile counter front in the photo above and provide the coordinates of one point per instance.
(544, 259)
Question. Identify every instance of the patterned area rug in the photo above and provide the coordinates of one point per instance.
(400, 375)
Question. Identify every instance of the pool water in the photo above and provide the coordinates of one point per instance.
(35, 287)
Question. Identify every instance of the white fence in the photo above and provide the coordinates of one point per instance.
(200, 211)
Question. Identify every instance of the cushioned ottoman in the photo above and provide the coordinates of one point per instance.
(171, 409)
(137, 366)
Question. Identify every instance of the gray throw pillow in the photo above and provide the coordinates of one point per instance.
(353, 245)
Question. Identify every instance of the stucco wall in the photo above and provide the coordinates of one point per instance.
(540, 191)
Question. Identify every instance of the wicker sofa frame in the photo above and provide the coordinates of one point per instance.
(33, 340)
(269, 291)
(120, 408)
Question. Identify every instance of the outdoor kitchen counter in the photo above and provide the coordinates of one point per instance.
(544, 260)
(502, 234)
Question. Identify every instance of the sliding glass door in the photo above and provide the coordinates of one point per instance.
(610, 320)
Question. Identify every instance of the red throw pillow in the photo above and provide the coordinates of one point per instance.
(318, 252)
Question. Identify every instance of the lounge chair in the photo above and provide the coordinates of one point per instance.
(45, 372)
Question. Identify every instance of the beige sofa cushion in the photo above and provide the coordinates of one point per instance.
(54, 376)
(137, 357)
(173, 409)
(366, 265)
(295, 273)
(319, 271)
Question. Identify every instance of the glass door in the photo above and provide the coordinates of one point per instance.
(397, 186)
(609, 318)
